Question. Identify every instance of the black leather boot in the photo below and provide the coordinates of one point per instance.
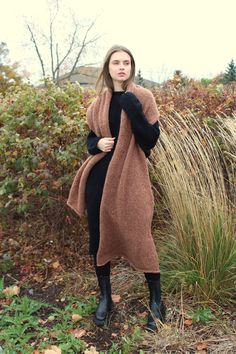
(157, 307)
(105, 305)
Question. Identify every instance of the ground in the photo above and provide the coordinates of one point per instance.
(45, 272)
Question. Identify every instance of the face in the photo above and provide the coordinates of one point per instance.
(120, 66)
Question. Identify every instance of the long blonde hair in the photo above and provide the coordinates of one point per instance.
(104, 78)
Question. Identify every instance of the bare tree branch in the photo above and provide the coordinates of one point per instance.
(84, 44)
(75, 50)
(68, 52)
(37, 51)
(52, 19)
(58, 66)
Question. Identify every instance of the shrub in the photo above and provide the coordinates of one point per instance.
(42, 143)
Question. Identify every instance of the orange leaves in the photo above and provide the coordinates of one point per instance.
(201, 347)
(116, 298)
(188, 322)
(78, 333)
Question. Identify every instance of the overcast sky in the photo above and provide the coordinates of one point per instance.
(195, 36)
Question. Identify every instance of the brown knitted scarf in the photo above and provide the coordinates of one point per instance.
(126, 209)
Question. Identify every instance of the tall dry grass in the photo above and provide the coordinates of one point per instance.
(195, 167)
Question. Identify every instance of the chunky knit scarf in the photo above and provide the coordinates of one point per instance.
(126, 209)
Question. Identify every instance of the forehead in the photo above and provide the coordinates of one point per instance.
(120, 56)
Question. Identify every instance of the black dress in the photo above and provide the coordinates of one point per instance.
(146, 136)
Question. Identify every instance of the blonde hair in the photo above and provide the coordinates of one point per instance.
(104, 78)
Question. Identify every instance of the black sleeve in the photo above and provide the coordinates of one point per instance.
(146, 134)
(92, 140)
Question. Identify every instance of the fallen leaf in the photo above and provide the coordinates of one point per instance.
(56, 265)
(36, 352)
(12, 290)
(76, 317)
(8, 301)
(114, 335)
(51, 318)
(201, 346)
(78, 333)
(38, 278)
(115, 298)
(126, 326)
(91, 350)
(40, 321)
(52, 350)
(188, 321)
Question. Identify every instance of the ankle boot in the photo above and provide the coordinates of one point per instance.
(157, 307)
(105, 305)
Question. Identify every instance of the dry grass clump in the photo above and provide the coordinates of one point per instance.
(195, 168)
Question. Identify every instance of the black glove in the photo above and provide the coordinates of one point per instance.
(130, 104)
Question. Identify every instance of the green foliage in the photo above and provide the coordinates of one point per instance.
(200, 264)
(42, 142)
(139, 79)
(201, 314)
(20, 325)
(130, 344)
(230, 74)
(6, 263)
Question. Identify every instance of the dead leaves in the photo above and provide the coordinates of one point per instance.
(52, 350)
(91, 350)
(188, 322)
(201, 347)
(12, 290)
(115, 298)
(76, 317)
(78, 333)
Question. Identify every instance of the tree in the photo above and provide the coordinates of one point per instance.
(61, 56)
(8, 73)
(139, 79)
(230, 74)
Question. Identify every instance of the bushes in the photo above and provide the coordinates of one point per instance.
(42, 142)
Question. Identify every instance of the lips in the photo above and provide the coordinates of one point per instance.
(121, 74)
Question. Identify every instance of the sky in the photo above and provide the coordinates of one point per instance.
(194, 36)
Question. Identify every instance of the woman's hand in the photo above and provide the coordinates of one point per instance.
(106, 144)
(130, 103)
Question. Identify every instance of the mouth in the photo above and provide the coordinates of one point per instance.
(121, 74)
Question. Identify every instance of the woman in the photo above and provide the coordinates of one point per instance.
(113, 185)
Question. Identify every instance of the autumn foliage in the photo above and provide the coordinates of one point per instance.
(43, 135)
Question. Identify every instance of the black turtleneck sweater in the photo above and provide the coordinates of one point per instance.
(146, 136)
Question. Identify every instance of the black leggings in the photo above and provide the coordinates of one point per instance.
(106, 269)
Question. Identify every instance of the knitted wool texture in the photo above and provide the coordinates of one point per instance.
(127, 204)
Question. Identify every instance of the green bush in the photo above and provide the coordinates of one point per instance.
(42, 143)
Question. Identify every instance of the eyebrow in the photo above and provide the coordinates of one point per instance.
(126, 60)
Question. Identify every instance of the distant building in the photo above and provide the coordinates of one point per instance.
(86, 76)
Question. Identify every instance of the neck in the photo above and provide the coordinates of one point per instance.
(117, 86)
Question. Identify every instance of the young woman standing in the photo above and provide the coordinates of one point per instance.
(113, 186)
